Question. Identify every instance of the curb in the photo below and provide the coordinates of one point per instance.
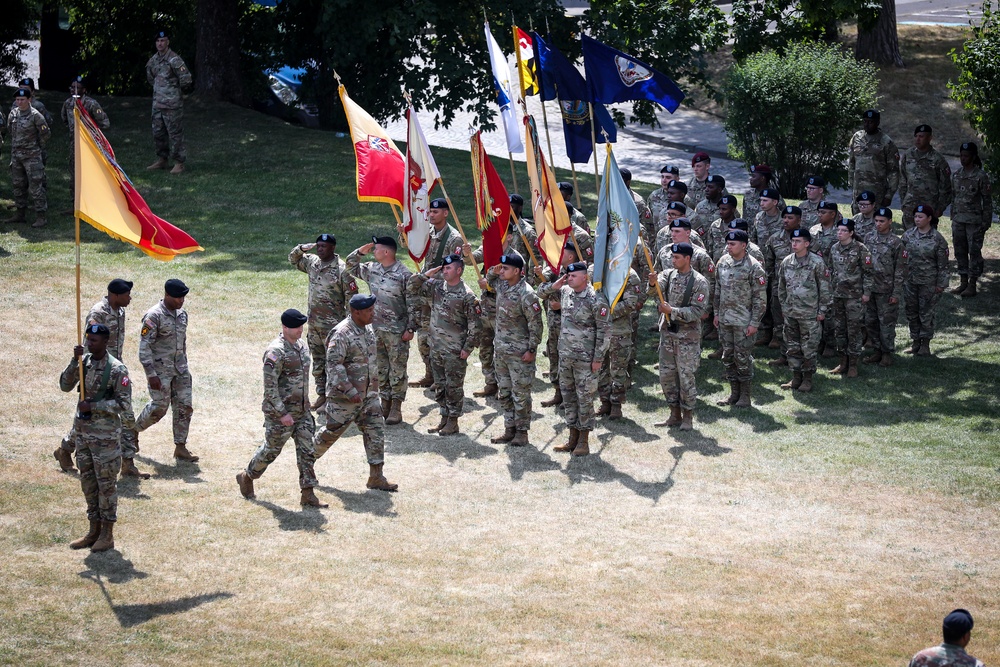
(687, 148)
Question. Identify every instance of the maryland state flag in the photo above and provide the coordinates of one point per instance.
(551, 217)
(422, 176)
(379, 164)
(106, 199)
(492, 203)
(527, 63)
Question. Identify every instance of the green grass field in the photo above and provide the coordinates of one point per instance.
(836, 528)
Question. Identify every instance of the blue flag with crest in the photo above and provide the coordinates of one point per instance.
(613, 76)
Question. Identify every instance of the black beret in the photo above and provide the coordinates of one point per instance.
(680, 223)
(800, 234)
(971, 147)
(22, 92)
(738, 235)
(867, 195)
(792, 210)
(682, 249)
(175, 288)
(439, 203)
(451, 259)
(871, 113)
(884, 212)
(677, 206)
(739, 223)
(292, 318)
(119, 286)
(846, 222)
(670, 169)
(516, 199)
(626, 173)
(827, 205)
(326, 238)
(98, 330)
(700, 156)
(512, 259)
(569, 245)
(27, 81)
(770, 193)
(362, 301)
(818, 181)
(718, 180)
(680, 185)
(386, 241)
(922, 128)
(957, 623)
(576, 266)
(728, 199)
(565, 186)
(925, 209)
(162, 33)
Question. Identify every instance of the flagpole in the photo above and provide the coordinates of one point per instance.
(461, 231)
(527, 244)
(510, 158)
(593, 141)
(76, 218)
(576, 187)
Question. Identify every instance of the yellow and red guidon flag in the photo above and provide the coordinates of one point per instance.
(551, 217)
(422, 176)
(492, 203)
(379, 166)
(527, 64)
(106, 199)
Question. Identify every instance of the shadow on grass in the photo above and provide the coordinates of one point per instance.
(131, 615)
(112, 566)
(182, 470)
(309, 519)
(528, 459)
(131, 487)
(376, 503)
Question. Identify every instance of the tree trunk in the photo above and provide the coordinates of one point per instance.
(880, 42)
(218, 58)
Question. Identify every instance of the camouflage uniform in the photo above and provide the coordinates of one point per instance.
(851, 277)
(704, 213)
(286, 392)
(945, 655)
(803, 287)
(971, 216)
(442, 243)
(927, 268)
(700, 262)
(518, 330)
(394, 314)
(680, 350)
(715, 239)
(614, 378)
(168, 74)
(810, 214)
(778, 247)
(824, 238)
(864, 226)
(28, 134)
(579, 219)
(657, 204)
(586, 323)
(664, 240)
(873, 164)
(586, 243)
(100, 118)
(553, 322)
(351, 371)
(695, 193)
(330, 289)
(163, 354)
(764, 225)
(888, 275)
(646, 220)
(739, 303)
(925, 178)
(751, 204)
(455, 327)
(98, 453)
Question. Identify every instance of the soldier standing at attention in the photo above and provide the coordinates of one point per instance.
(395, 319)
(107, 398)
(352, 389)
(456, 322)
(850, 266)
(864, 220)
(163, 354)
(924, 177)
(28, 134)
(78, 91)
(700, 163)
(823, 236)
(761, 178)
(583, 342)
(553, 319)
(873, 161)
(286, 410)
(815, 192)
(778, 247)
(29, 83)
(804, 291)
(645, 215)
(614, 380)
(687, 299)
(659, 199)
(957, 631)
(926, 254)
(168, 75)
(739, 306)
(889, 272)
(575, 215)
(971, 216)
(330, 288)
(707, 209)
(768, 219)
(518, 333)
(715, 239)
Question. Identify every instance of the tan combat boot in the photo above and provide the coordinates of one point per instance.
(246, 485)
(744, 400)
(807, 382)
(508, 435)
(65, 459)
(181, 453)
(442, 422)
(780, 361)
(582, 445)
(616, 412)
(178, 168)
(40, 220)
(377, 481)
(794, 382)
(425, 381)
(886, 360)
(106, 540)
(385, 404)
(687, 420)
(574, 438)
(675, 417)
(308, 498)
(556, 399)
(876, 357)
(19, 216)
(734, 394)
(161, 163)
(129, 469)
(852, 367)
(716, 354)
(520, 439)
(450, 427)
(925, 348)
(841, 368)
(490, 389)
(970, 290)
(605, 408)
(88, 539)
(395, 413)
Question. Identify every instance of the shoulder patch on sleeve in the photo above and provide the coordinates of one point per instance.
(762, 280)
(124, 380)
(604, 311)
(535, 307)
(905, 254)
(868, 259)
(711, 268)
(353, 286)
(701, 297)
(146, 327)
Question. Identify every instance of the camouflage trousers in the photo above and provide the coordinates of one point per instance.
(129, 439)
(880, 320)
(27, 177)
(613, 382)
(553, 319)
(168, 134)
(448, 369)
(802, 336)
(316, 340)
(632, 360)
(578, 385)
(341, 413)
(849, 325)
(679, 361)
(736, 352)
(921, 301)
(174, 393)
(767, 321)
(424, 335)
(514, 378)
(778, 320)
(486, 349)
(99, 461)
(276, 435)
(968, 243)
(391, 355)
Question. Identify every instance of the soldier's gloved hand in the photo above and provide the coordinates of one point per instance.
(287, 420)
(154, 383)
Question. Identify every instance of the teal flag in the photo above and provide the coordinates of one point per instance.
(617, 233)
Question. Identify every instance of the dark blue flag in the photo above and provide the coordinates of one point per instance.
(613, 76)
(563, 82)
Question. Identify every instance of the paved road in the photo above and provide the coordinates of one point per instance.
(938, 12)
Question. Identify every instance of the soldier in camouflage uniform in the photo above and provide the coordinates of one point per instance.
(553, 319)
(761, 178)
(752, 248)
(971, 216)
(575, 216)
(456, 321)
(888, 274)
(739, 306)
(864, 219)
(850, 265)
(873, 161)
(286, 410)
(715, 239)
(330, 288)
(686, 297)
(926, 254)
(823, 236)
(707, 209)
(646, 219)
(518, 334)
(803, 288)
(78, 91)
(583, 342)
(28, 133)
(957, 633)
(163, 355)
(29, 83)
(700, 163)
(674, 210)
(352, 389)
(100, 417)
(395, 319)
(815, 193)
(659, 199)
(777, 248)
(677, 191)
(768, 219)
(924, 177)
(168, 75)
(614, 380)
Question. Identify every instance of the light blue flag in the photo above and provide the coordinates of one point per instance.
(617, 233)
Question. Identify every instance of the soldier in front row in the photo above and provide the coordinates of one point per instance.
(850, 266)
(803, 287)
(888, 273)
(169, 76)
(615, 378)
